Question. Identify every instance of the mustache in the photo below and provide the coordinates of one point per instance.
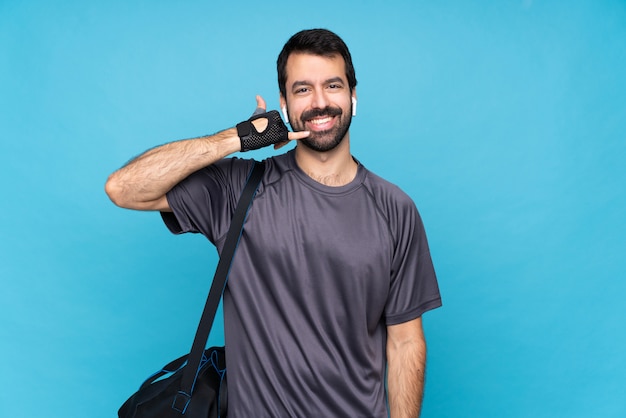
(314, 113)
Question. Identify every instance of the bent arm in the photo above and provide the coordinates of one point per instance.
(406, 362)
(143, 183)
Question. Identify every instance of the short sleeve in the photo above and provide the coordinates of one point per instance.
(413, 287)
(204, 201)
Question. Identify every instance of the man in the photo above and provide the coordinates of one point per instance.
(333, 271)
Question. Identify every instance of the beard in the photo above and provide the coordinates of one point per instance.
(323, 141)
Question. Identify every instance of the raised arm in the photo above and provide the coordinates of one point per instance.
(143, 183)
(406, 359)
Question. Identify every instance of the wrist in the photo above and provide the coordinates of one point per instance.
(221, 144)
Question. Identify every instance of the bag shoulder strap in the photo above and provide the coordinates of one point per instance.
(192, 367)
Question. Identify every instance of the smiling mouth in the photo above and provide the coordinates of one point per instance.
(322, 124)
(321, 121)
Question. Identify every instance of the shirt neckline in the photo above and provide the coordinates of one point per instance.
(333, 190)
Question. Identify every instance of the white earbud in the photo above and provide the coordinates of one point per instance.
(354, 106)
(285, 115)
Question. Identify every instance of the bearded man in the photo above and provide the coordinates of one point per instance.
(323, 307)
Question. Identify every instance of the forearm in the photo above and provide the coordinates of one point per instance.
(405, 377)
(150, 176)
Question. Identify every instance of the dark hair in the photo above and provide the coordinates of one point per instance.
(320, 42)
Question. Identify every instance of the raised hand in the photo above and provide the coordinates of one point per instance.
(260, 120)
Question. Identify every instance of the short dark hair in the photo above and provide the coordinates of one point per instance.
(320, 42)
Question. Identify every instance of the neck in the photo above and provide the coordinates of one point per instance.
(332, 168)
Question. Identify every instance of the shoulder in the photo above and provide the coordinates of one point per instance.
(227, 172)
(394, 205)
(387, 194)
(275, 168)
(233, 166)
(224, 178)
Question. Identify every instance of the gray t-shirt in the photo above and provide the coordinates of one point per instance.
(318, 275)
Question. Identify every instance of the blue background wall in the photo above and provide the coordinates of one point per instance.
(504, 120)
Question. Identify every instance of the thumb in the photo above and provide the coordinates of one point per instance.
(260, 106)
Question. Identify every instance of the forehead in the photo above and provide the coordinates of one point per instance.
(310, 67)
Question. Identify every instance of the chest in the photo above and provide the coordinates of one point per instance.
(343, 230)
(313, 246)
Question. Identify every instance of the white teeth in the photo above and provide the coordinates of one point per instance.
(321, 121)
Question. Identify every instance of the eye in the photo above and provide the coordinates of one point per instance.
(301, 90)
(335, 86)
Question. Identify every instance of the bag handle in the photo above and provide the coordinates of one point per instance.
(190, 372)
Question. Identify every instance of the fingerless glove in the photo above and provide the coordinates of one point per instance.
(252, 139)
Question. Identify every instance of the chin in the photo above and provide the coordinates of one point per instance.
(321, 145)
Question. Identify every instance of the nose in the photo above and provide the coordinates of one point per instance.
(320, 100)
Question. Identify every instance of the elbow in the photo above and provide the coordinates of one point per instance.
(121, 195)
(113, 189)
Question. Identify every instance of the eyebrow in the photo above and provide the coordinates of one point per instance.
(308, 83)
